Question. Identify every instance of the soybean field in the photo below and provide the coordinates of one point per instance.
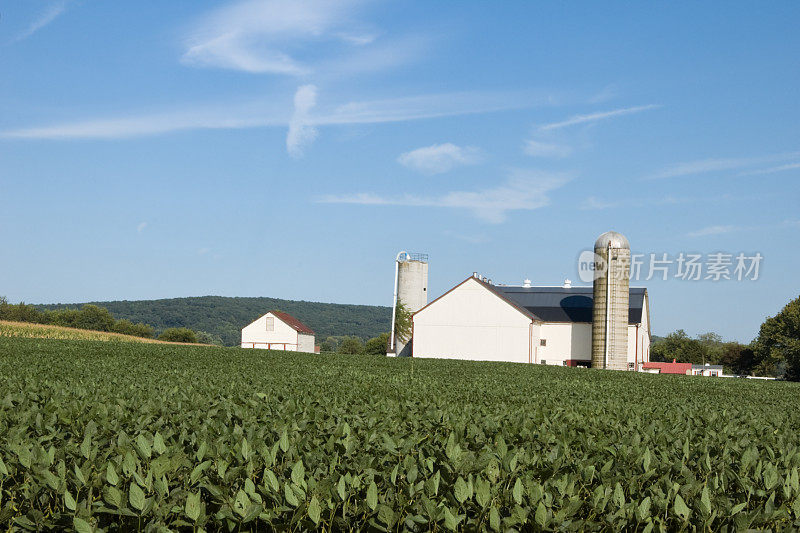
(128, 436)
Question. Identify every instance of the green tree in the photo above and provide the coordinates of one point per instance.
(21, 313)
(328, 345)
(127, 327)
(94, 317)
(67, 318)
(778, 344)
(351, 345)
(178, 335)
(736, 358)
(204, 337)
(713, 344)
(377, 345)
(402, 322)
(679, 346)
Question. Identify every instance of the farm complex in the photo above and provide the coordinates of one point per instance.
(606, 325)
(478, 320)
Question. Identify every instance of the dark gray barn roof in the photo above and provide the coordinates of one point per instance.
(561, 304)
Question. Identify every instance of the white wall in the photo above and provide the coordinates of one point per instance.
(640, 353)
(565, 341)
(256, 332)
(471, 322)
(306, 342)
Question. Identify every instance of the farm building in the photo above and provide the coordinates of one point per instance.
(708, 370)
(277, 330)
(478, 320)
(605, 325)
(685, 369)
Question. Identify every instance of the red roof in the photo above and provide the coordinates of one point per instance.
(668, 368)
(293, 322)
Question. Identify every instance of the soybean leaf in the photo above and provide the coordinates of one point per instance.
(517, 492)
(111, 474)
(193, 506)
(81, 525)
(158, 444)
(314, 510)
(372, 495)
(541, 515)
(680, 507)
(136, 497)
(705, 501)
(69, 501)
(461, 489)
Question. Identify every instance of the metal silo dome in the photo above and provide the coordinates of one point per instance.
(617, 240)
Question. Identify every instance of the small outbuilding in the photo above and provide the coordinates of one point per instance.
(708, 370)
(277, 330)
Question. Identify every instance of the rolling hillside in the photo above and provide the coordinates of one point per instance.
(225, 316)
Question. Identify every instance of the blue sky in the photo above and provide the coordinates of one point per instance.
(291, 149)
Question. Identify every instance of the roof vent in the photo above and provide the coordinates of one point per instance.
(567, 284)
(526, 283)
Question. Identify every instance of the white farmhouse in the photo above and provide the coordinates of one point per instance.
(278, 331)
(480, 321)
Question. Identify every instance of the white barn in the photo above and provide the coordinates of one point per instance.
(477, 320)
(278, 331)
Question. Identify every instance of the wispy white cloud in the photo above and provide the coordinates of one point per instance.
(607, 93)
(359, 39)
(712, 230)
(704, 166)
(426, 106)
(723, 229)
(440, 158)
(771, 170)
(140, 228)
(594, 203)
(53, 11)
(595, 117)
(274, 113)
(252, 35)
(546, 149)
(204, 117)
(231, 51)
(294, 37)
(301, 131)
(523, 190)
(472, 238)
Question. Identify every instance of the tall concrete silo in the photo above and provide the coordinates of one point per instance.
(410, 288)
(611, 295)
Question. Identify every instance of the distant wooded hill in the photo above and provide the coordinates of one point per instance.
(224, 317)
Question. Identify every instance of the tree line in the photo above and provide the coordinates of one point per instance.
(96, 318)
(775, 352)
(378, 345)
(223, 317)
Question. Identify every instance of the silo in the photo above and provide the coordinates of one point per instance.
(611, 295)
(410, 288)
